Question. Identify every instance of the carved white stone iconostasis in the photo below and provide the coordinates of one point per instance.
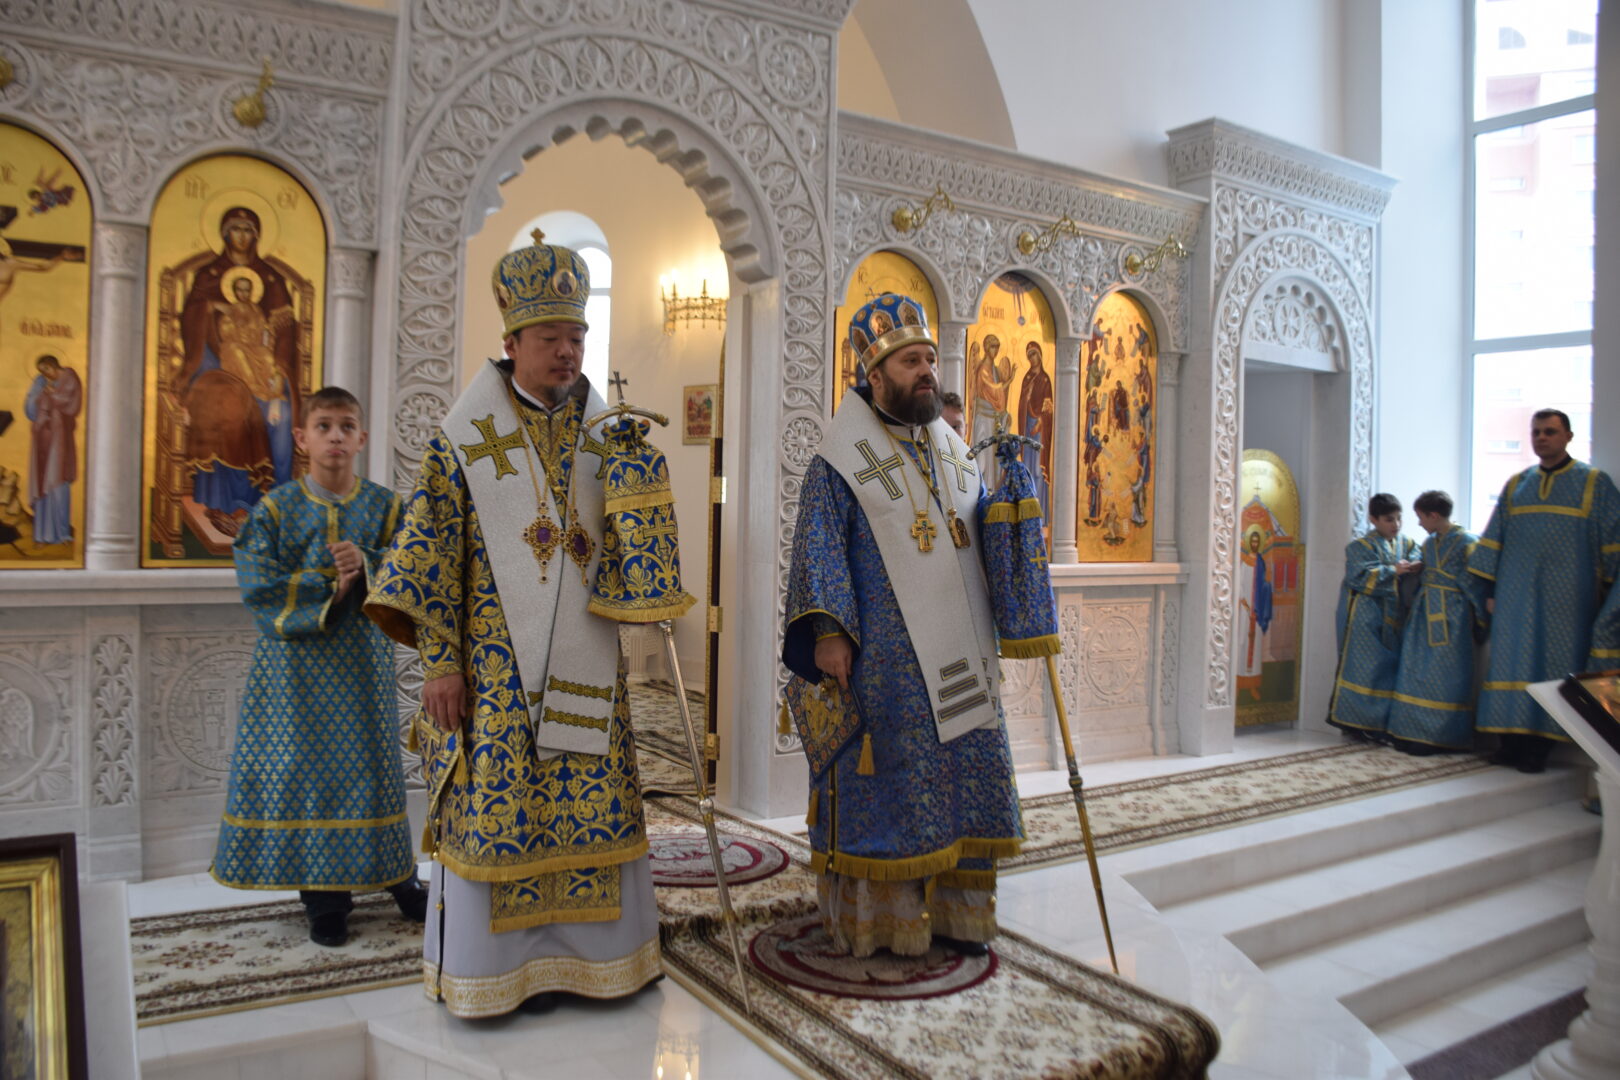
(119, 687)
(1279, 216)
(1117, 621)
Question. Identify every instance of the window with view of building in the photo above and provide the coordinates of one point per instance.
(1532, 149)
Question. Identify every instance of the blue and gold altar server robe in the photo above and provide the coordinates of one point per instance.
(1369, 621)
(1550, 556)
(549, 835)
(1434, 689)
(927, 808)
(317, 794)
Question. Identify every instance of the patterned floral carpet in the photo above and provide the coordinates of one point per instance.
(661, 753)
(1147, 811)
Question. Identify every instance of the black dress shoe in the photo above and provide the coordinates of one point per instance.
(411, 898)
(329, 928)
(963, 948)
(539, 1003)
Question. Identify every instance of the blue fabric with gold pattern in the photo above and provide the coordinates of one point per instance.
(317, 794)
(549, 835)
(638, 579)
(1550, 556)
(1434, 688)
(541, 283)
(881, 326)
(1370, 622)
(1015, 563)
(924, 808)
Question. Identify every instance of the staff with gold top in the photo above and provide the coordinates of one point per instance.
(542, 881)
(893, 645)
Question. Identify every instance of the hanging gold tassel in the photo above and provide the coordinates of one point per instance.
(461, 765)
(412, 743)
(784, 722)
(810, 815)
(866, 767)
(428, 846)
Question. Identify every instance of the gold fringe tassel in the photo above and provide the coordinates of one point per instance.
(812, 815)
(461, 765)
(866, 766)
(784, 722)
(1022, 510)
(412, 743)
(428, 846)
(1031, 648)
(645, 500)
(626, 613)
(917, 866)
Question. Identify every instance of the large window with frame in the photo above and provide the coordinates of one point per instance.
(1531, 170)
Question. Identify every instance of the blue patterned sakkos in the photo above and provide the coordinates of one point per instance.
(317, 795)
(1549, 554)
(1369, 624)
(1434, 689)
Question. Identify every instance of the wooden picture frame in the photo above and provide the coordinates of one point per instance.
(700, 413)
(41, 981)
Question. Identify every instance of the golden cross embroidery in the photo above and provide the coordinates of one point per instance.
(879, 470)
(964, 469)
(651, 534)
(1039, 560)
(923, 531)
(589, 445)
(494, 446)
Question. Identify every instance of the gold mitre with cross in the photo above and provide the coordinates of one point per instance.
(541, 283)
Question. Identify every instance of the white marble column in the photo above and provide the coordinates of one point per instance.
(953, 356)
(1593, 1047)
(1067, 451)
(1164, 459)
(117, 363)
(348, 323)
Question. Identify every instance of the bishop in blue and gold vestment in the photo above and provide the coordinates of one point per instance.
(1433, 707)
(1370, 620)
(317, 794)
(535, 812)
(1549, 558)
(887, 595)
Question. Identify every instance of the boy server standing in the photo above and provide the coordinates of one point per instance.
(1370, 617)
(317, 793)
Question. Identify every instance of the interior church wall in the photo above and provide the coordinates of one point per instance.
(653, 224)
(1606, 316)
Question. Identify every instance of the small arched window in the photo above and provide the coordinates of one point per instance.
(1509, 38)
(574, 230)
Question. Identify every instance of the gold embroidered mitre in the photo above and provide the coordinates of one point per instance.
(541, 283)
(639, 577)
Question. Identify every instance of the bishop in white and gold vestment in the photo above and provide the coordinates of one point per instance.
(535, 812)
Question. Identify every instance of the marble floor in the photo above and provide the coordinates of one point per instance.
(665, 1032)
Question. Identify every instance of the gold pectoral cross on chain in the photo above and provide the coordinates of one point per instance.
(923, 531)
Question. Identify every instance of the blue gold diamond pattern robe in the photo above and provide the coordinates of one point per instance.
(1550, 555)
(1434, 690)
(317, 794)
(1369, 621)
(929, 808)
(549, 835)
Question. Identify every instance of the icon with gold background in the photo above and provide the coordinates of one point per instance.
(1270, 592)
(1008, 378)
(1119, 372)
(880, 272)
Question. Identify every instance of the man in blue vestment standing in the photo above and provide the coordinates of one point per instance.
(1549, 557)
(887, 595)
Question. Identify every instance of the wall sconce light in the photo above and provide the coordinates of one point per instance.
(1138, 264)
(909, 218)
(701, 309)
(1029, 243)
(249, 108)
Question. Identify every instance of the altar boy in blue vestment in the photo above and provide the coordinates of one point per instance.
(1549, 558)
(317, 793)
(1433, 709)
(1370, 619)
(887, 595)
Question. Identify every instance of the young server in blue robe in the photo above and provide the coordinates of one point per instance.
(317, 792)
(1370, 618)
(1549, 558)
(887, 595)
(1433, 708)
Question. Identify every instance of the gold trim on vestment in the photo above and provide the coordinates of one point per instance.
(557, 716)
(1369, 691)
(471, 996)
(1425, 703)
(644, 501)
(370, 886)
(916, 866)
(1031, 648)
(323, 823)
(1023, 510)
(578, 688)
(553, 918)
(1525, 731)
(659, 613)
(540, 865)
(1502, 685)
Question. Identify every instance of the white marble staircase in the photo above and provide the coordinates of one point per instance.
(1431, 913)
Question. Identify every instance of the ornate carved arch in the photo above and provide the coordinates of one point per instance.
(1270, 256)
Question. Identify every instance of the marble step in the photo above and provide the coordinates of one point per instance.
(1476, 1008)
(1296, 912)
(1383, 973)
(1267, 850)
